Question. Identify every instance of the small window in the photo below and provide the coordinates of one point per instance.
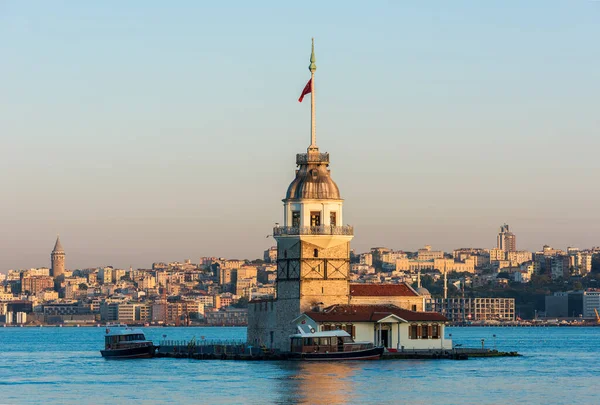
(315, 218)
(414, 308)
(424, 332)
(295, 219)
(435, 331)
(333, 218)
(316, 253)
(414, 332)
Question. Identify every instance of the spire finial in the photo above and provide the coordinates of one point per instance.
(312, 66)
(313, 119)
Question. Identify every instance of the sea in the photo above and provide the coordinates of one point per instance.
(51, 365)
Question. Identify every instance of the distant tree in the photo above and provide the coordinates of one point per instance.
(257, 262)
(596, 263)
(83, 286)
(503, 274)
(241, 303)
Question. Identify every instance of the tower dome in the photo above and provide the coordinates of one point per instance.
(313, 179)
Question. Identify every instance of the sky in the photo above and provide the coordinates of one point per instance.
(148, 131)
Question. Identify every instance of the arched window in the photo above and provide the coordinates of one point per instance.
(316, 253)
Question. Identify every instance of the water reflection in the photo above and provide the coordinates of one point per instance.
(317, 382)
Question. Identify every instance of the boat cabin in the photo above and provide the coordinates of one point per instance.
(120, 336)
(326, 342)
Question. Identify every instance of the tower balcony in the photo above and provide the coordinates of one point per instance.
(312, 158)
(346, 230)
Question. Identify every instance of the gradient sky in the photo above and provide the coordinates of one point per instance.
(149, 131)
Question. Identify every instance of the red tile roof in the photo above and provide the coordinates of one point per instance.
(379, 290)
(370, 313)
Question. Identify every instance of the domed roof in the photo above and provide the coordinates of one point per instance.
(423, 291)
(313, 180)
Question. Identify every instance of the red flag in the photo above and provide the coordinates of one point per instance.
(307, 89)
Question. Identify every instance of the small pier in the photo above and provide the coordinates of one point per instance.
(240, 350)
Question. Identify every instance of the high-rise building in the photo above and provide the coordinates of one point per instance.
(57, 257)
(507, 241)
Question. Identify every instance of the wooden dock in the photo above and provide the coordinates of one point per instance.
(239, 350)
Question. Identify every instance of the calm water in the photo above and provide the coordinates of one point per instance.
(63, 366)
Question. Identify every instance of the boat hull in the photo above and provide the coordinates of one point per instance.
(367, 354)
(130, 353)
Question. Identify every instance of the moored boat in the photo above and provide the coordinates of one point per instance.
(331, 345)
(121, 342)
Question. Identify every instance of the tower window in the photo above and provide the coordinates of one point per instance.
(316, 253)
(315, 218)
(296, 219)
(333, 218)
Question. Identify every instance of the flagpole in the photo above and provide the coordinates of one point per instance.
(313, 120)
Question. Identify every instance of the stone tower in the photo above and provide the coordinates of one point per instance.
(313, 246)
(57, 257)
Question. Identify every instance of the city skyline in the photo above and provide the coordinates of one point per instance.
(58, 248)
(134, 161)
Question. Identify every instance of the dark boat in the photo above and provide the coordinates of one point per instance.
(331, 345)
(121, 342)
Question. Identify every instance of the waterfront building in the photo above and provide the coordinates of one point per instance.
(383, 325)
(591, 303)
(473, 309)
(134, 312)
(565, 304)
(57, 258)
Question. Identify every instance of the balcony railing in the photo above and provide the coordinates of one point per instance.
(313, 230)
(312, 157)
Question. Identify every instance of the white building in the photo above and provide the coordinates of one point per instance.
(591, 302)
(383, 325)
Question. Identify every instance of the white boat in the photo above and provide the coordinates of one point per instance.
(126, 343)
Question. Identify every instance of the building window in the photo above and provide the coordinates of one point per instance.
(315, 218)
(351, 329)
(316, 253)
(296, 219)
(414, 308)
(435, 331)
(414, 331)
(333, 218)
(424, 331)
